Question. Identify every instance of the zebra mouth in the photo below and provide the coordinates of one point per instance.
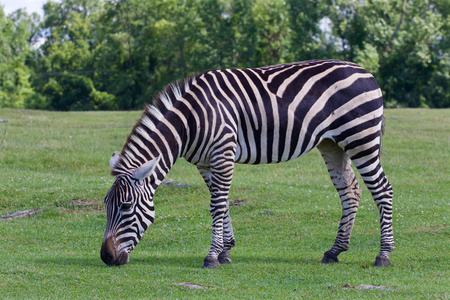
(122, 259)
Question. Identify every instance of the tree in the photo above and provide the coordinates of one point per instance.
(117, 54)
(306, 39)
(272, 23)
(65, 63)
(14, 50)
(403, 42)
(415, 67)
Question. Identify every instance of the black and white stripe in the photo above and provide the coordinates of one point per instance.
(261, 115)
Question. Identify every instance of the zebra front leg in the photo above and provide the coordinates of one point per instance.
(212, 259)
(344, 180)
(218, 178)
(221, 174)
(215, 256)
(228, 238)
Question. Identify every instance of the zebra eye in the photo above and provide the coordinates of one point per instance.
(126, 205)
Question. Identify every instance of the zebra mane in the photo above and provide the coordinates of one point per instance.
(131, 157)
(165, 99)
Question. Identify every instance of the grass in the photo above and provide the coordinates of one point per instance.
(287, 217)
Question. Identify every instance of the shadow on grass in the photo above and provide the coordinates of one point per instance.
(197, 261)
(74, 261)
(177, 261)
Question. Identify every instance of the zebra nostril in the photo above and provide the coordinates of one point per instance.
(106, 255)
(107, 252)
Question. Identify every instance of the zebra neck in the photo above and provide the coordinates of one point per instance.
(144, 145)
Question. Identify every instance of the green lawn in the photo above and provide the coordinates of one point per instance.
(287, 218)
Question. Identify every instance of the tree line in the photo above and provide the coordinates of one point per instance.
(117, 54)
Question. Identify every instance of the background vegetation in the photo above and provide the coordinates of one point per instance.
(116, 54)
(284, 215)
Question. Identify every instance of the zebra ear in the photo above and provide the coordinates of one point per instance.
(114, 159)
(146, 169)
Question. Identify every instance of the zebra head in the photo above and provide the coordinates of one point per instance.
(129, 211)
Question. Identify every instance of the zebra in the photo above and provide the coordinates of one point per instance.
(260, 115)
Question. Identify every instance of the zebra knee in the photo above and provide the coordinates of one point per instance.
(356, 190)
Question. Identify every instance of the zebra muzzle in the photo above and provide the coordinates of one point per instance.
(109, 254)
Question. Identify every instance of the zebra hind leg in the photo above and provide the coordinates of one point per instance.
(366, 157)
(378, 184)
(344, 180)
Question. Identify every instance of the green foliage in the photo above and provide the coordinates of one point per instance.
(75, 92)
(411, 62)
(128, 50)
(287, 217)
(306, 40)
(415, 79)
(14, 74)
(272, 25)
(367, 56)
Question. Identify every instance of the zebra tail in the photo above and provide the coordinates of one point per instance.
(383, 128)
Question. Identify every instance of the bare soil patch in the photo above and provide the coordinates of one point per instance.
(190, 285)
(83, 202)
(367, 287)
(20, 214)
(237, 202)
(87, 204)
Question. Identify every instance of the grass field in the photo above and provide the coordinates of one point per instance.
(286, 219)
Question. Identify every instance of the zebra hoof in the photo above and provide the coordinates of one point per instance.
(210, 262)
(382, 261)
(224, 257)
(329, 258)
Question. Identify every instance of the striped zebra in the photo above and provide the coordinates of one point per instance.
(252, 116)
